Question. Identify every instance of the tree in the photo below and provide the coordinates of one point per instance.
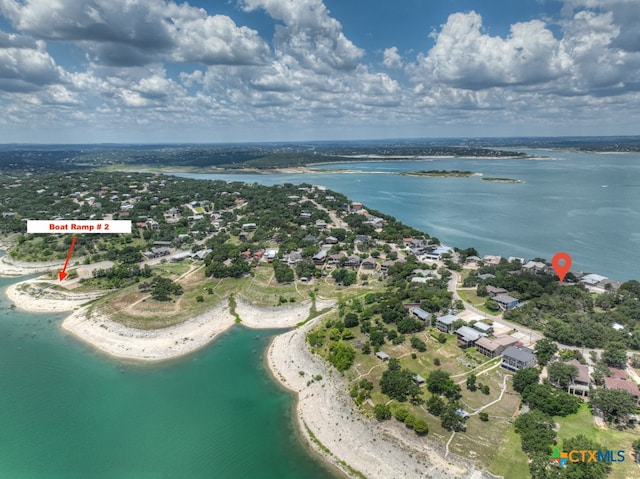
(435, 405)
(398, 383)
(341, 355)
(551, 400)
(163, 288)
(351, 320)
(450, 419)
(484, 417)
(615, 404)
(491, 305)
(585, 469)
(562, 373)
(471, 382)
(615, 355)
(418, 344)
(382, 412)
(636, 449)
(283, 273)
(421, 427)
(544, 350)
(400, 414)
(524, 378)
(439, 381)
(536, 430)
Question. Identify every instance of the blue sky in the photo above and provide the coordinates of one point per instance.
(286, 70)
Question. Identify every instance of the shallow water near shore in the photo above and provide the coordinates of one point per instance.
(67, 411)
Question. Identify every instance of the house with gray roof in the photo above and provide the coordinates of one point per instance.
(445, 323)
(420, 314)
(493, 348)
(483, 327)
(467, 336)
(382, 355)
(505, 301)
(517, 358)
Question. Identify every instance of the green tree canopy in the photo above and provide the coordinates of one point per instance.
(615, 404)
(545, 349)
(562, 373)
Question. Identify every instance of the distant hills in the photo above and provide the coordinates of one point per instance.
(50, 158)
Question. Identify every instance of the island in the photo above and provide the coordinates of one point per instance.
(409, 358)
(442, 173)
(502, 180)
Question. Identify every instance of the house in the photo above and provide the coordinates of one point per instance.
(592, 279)
(407, 242)
(321, 224)
(320, 257)
(364, 239)
(623, 384)
(384, 267)
(493, 348)
(580, 384)
(467, 336)
(305, 214)
(270, 254)
(243, 236)
(294, 258)
(331, 240)
(436, 253)
(420, 314)
(517, 358)
(462, 413)
(161, 244)
(505, 301)
(486, 276)
(356, 206)
(491, 260)
(383, 356)
(353, 261)
(483, 327)
(534, 266)
(335, 259)
(369, 263)
(445, 323)
(472, 260)
(494, 291)
(419, 380)
(181, 256)
(249, 226)
(310, 239)
(199, 255)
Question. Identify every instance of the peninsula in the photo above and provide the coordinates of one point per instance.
(408, 357)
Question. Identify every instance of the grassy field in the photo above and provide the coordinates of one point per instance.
(610, 438)
(470, 296)
(482, 441)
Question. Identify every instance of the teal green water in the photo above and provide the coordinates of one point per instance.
(69, 412)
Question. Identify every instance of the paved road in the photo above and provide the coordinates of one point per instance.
(531, 334)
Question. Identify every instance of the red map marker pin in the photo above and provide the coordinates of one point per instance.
(561, 264)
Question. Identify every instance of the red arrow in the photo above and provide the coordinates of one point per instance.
(62, 274)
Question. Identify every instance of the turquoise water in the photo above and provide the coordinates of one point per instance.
(587, 205)
(69, 412)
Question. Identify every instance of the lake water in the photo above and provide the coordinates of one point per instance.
(587, 205)
(69, 412)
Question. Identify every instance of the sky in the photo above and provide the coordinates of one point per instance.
(149, 71)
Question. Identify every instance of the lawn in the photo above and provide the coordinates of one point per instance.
(611, 439)
(470, 296)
